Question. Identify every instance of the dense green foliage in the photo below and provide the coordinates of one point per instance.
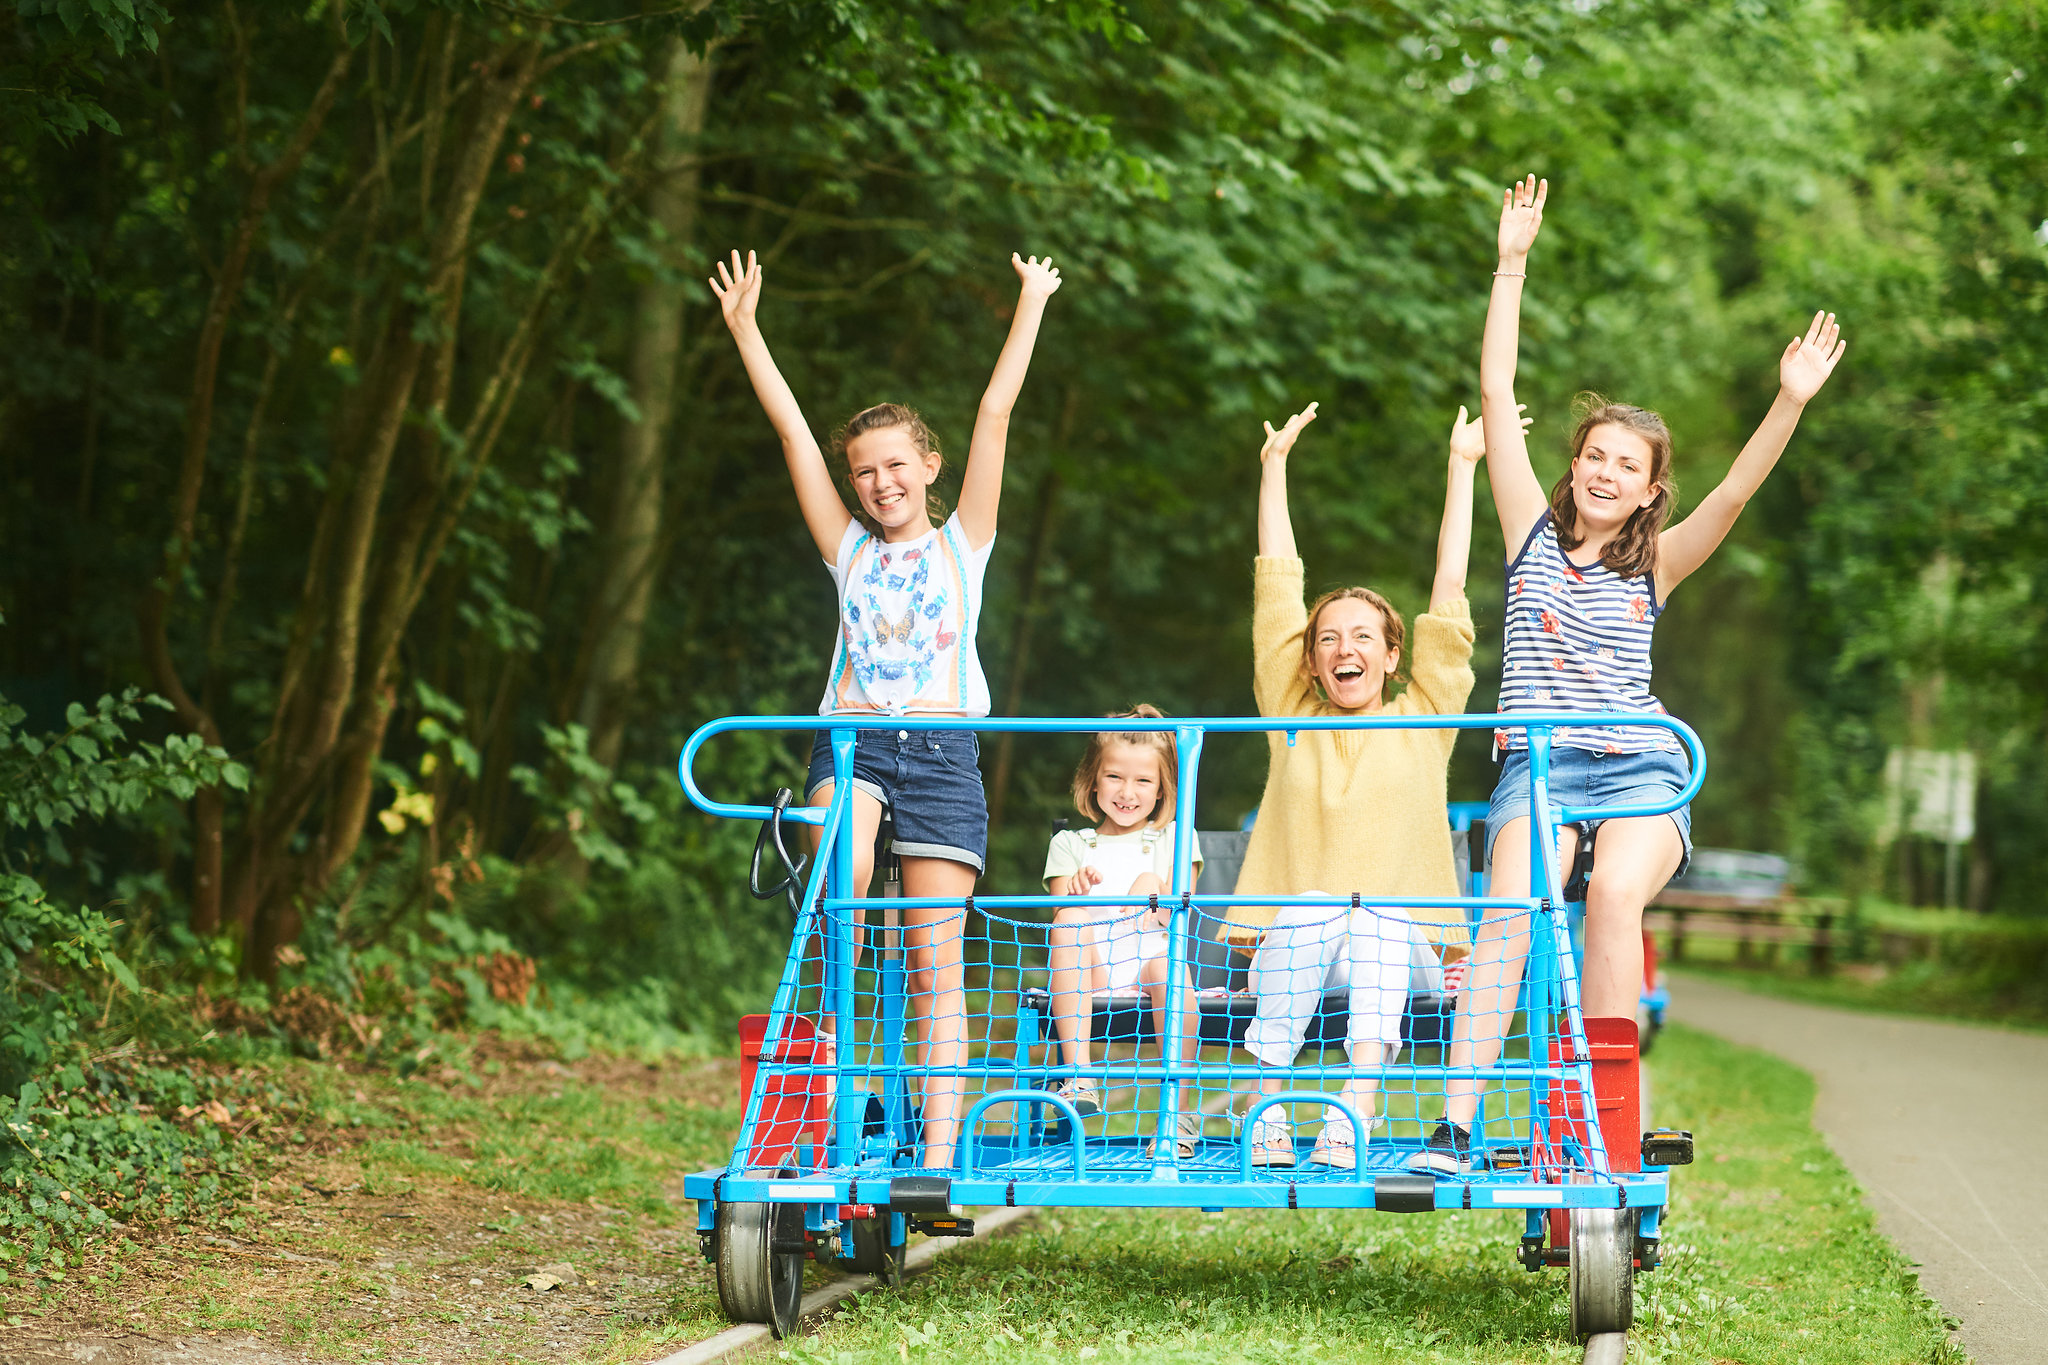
(364, 403)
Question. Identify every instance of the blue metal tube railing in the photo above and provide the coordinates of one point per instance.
(1554, 984)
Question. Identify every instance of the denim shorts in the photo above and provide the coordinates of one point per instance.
(930, 780)
(1583, 778)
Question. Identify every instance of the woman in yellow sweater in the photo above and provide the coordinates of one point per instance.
(1346, 812)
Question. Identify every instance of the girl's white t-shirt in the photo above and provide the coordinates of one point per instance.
(908, 614)
(1122, 858)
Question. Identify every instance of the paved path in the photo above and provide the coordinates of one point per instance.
(1946, 1127)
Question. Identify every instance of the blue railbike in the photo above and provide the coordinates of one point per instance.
(829, 1163)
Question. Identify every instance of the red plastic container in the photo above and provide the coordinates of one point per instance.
(793, 1108)
(1617, 1091)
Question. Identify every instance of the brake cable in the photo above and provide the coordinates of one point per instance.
(791, 885)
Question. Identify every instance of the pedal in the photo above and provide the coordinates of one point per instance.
(1667, 1147)
(1503, 1159)
(947, 1226)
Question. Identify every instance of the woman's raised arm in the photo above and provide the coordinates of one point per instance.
(1276, 529)
(1517, 494)
(739, 294)
(1454, 536)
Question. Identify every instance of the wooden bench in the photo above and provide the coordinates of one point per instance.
(1756, 926)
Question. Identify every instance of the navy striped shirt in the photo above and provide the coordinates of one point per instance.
(1578, 639)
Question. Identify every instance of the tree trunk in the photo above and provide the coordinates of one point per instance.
(308, 727)
(629, 540)
(155, 608)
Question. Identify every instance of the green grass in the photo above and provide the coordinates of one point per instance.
(1771, 1256)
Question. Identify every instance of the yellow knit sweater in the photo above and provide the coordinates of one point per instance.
(1352, 810)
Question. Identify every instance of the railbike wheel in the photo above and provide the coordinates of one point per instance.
(761, 1263)
(1603, 1286)
(872, 1254)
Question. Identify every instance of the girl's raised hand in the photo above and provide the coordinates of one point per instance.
(1810, 359)
(738, 290)
(1041, 279)
(1468, 434)
(1278, 443)
(1085, 880)
(1521, 217)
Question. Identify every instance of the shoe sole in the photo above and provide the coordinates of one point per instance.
(1273, 1159)
(1087, 1109)
(1438, 1165)
(1335, 1163)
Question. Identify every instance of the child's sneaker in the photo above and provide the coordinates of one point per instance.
(1336, 1146)
(1272, 1141)
(1448, 1151)
(1080, 1092)
(1184, 1147)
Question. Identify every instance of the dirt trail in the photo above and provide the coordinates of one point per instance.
(1945, 1125)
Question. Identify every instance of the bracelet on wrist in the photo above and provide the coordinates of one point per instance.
(1511, 274)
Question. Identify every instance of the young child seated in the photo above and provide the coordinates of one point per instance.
(1126, 784)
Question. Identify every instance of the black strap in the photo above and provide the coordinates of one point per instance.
(1010, 1195)
(1291, 1196)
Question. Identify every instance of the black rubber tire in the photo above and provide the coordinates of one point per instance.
(757, 1283)
(870, 1253)
(1602, 1279)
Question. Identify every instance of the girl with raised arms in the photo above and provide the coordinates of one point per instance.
(910, 593)
(1590, 566)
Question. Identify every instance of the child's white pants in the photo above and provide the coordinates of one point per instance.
(1376, 952)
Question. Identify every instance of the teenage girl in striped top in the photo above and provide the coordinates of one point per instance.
(1590, 567)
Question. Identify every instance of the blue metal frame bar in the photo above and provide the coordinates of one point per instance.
(968, 1124)
(1086, 725)
(792, 971)
(986, 903)
(829, 909)
(1251, 1116)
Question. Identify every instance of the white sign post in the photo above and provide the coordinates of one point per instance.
(1933, 792)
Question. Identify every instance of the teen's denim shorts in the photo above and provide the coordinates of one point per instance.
(1583, 778)
(929, 779)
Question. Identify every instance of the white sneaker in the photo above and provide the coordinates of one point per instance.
(1337, 1146)
(1272, 1141)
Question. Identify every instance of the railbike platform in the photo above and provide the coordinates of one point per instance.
(829, 1160)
